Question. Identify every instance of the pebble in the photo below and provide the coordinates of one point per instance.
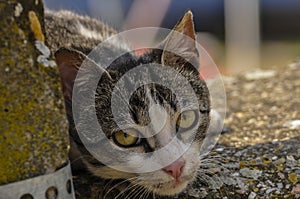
(252, 195)
(270, 183)
(274, 158)
(293, 65)
(254, 174)
(232, 165)
(277, 192)
(293, 124)
(279, 185)
(220, 149)
(268, 191)
(291, 162)
(296, 189)
(259, 74)
(280, 161)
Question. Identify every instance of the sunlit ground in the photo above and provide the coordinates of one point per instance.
(273, 54)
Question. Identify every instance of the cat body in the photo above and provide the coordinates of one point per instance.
(72, 37)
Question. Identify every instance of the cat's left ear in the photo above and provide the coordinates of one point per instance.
(181, 41)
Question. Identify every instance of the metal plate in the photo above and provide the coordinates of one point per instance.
(57, 185)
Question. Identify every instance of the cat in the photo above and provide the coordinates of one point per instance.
(72, 37)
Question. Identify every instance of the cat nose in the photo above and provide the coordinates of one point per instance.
(175, 169)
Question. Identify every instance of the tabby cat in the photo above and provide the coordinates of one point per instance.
(72, 37)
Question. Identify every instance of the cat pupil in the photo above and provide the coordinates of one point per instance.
(125, 134)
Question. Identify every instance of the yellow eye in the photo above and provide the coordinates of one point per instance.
(187, 119)
(126, 138)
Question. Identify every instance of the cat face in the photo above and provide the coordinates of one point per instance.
(156, 114)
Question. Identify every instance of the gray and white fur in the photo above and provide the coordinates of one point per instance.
(72, 37)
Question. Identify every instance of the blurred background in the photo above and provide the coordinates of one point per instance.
(240, 35)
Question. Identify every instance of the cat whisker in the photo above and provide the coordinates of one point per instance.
(107, 185)
(132, 189)
(118, 184)
(79, 158)
(146, 193)
(138, 192)
(142, 195)
(153, 195)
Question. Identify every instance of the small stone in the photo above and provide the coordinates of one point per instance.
(232, 165)
(239, 191)
(262, 191)
(293, 124)
(239, 115)
(274, 108)
(279, 185)
(220, 149)
(254, 174)
(255, 189)
(258, 160)
(259, 185)
(270, 183)
(259, 74)
(268, 191)
(280, 161)
(274, 158)
(290, 161)
(296, 189)
(290, 157)
(293, 65)
(252, 195)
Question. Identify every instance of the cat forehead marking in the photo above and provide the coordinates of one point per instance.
(157, 113)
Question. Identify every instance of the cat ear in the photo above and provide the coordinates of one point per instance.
(183, 46)
(69, 61)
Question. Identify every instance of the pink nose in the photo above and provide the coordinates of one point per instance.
(175, 169)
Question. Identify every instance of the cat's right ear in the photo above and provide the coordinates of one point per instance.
(68, 62)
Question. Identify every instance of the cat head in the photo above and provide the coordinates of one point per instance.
(153, 114)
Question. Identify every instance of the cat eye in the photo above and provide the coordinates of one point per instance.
(126, 138)
(187, 120)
